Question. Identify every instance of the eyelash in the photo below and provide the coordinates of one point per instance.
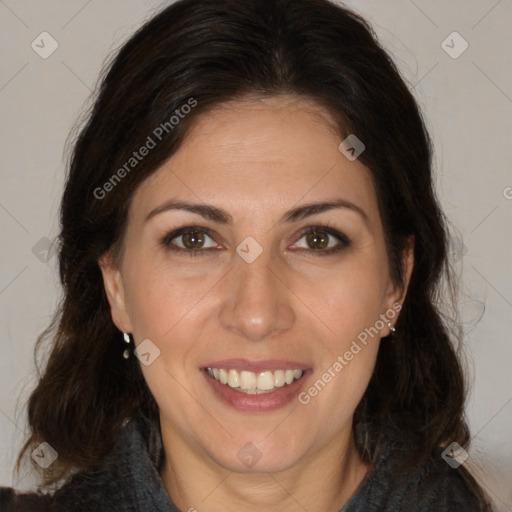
(325, 228)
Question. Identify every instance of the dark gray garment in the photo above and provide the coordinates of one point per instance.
(128, 480)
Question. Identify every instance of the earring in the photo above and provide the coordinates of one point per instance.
(391, 327)
(126, 337)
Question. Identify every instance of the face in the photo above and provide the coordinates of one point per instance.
(228, 266)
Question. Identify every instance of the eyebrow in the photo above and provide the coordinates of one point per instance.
(216, 214)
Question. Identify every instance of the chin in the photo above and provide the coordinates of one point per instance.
(247, 456)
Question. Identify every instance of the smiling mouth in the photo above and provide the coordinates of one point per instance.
(255, 383)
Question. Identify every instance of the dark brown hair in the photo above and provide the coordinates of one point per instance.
(212, 52)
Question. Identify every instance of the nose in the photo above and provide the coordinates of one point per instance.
(257, 303)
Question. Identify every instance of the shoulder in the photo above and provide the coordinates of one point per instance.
(436, 486)
(125, 479)
(11, 501)
(431, 486)
(95, 490)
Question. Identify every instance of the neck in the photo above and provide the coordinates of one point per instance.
(323, 482)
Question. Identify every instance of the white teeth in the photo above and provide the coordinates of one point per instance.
(265, 381)
(233, 379)
(223, 376)
(279, 378)
(252, 383)
(248, 380)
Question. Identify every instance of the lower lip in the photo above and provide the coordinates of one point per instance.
(257, 403)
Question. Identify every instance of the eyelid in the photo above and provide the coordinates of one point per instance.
(175, 233)
(325, 227)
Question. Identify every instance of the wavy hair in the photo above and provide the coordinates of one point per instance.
(217, 51)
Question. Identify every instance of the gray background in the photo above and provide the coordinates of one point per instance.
(467, 102)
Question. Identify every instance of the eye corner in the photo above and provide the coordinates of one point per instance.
(166, 240)
(343, 240)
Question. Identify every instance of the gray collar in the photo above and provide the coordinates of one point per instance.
(128, 478)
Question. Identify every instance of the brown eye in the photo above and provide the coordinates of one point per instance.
(322, 240)
(317, 240)
(193, 240)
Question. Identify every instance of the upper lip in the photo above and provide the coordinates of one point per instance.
(257, 366)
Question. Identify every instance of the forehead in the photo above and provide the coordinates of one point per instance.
(256, 154)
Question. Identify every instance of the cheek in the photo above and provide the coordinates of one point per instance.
(349, 352)
(349, 298)
(347, 303)
(161, 302)
(170, 311)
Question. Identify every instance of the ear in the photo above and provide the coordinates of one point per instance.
(397, 291)
(115, 291)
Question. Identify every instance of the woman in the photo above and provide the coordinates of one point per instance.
(251, 254)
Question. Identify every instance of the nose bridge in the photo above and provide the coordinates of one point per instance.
(255, 281)
(256, 302)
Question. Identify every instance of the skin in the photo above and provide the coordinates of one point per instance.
(256, 159)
